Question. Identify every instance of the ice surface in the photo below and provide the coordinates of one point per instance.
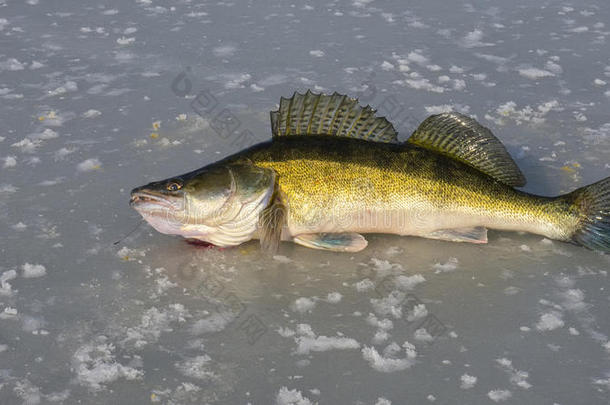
(99, 97)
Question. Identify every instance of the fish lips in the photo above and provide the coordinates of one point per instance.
(147, 200)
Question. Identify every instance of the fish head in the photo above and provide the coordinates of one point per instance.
(218, 204)
(162, 204)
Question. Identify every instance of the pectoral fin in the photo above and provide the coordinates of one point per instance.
(477, 234)
(271, 222)
(336, 242)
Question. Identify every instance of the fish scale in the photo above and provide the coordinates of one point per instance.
(403, 179)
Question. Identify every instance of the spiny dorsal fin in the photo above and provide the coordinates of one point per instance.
(463, 138)
(336, 115)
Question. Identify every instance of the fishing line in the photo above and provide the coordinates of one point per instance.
(129, 234)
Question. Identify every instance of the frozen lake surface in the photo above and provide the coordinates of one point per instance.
(96, 98)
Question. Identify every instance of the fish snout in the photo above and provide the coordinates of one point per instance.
(134, 197)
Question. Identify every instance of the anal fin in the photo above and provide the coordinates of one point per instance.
(477, 234)
(335, 242)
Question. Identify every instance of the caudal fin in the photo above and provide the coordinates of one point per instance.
(593, 202)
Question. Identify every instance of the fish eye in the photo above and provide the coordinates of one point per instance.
(174, 186)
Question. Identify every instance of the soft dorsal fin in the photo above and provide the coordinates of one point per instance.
(463, 138)
(336, 115)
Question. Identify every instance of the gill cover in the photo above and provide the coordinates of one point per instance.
(225, 202)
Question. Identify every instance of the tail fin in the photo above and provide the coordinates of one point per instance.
(593, 202)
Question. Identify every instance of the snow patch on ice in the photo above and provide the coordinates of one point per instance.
(236, 80)
(473, 40)
(11, 64)
(423, 335)
(282, 259)
(384, 324)
(364, 285)
(307, 341)
(444, 108)
(408, 282)
(126, 253)
(389, 305)
(95, 365)
(33, 270)
(553, 67)
(154, 322)
(387, 66)
(303, 304)
(19, 226)
(602, 382)
(517, 377)
(7, 189)
(509, 112)
(419, 311)
(256, 88)
(334, 297)
(423, 84)
(125, 40)
(5, 286)
(317, 53)
(467, 381)
(384, 267)
(89, 165)
(69, 86)
(417, 57)
(550, 321)
(450, 265)
(291, 397)
(9, 161)
(47, 134)
(597, 135)
(224, 51)
(27, 145)
(91, 113)
(388, 362)
(499, 395)
(534, 73)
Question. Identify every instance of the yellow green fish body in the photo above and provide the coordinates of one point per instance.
(336, 185)
(334, 171)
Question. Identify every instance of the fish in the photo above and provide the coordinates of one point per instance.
(334, 171)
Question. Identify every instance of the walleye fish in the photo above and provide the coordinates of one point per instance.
(333, 171)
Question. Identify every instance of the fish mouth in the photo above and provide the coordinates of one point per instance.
(148, 200)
